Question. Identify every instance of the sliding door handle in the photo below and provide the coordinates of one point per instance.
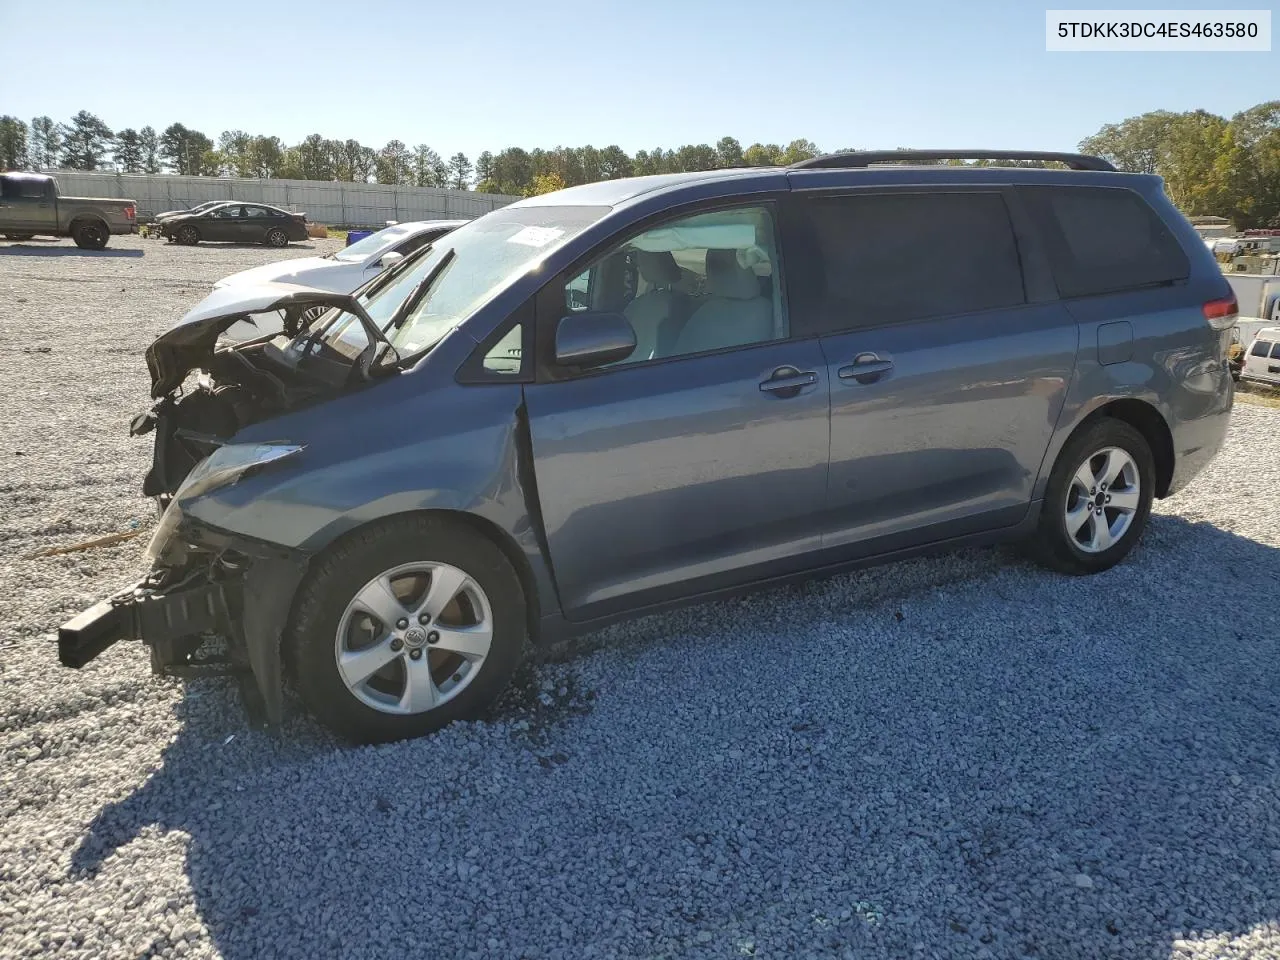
(866, 368)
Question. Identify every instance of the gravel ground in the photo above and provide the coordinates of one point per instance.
(960, 756)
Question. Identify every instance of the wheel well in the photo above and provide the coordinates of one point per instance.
(1147, 420)
(491, 532)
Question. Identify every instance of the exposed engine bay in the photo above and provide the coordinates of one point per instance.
(243, 383)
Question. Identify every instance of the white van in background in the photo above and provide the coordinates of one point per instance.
(1262, 359)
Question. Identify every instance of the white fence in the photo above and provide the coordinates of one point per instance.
(348, 204)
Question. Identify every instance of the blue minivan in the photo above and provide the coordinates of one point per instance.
(603, 401)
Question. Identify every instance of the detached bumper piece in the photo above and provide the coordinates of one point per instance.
(226, 585)
(161, 620)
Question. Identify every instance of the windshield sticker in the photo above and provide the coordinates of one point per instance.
(536, 236)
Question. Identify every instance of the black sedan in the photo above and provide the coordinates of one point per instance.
(237, 223)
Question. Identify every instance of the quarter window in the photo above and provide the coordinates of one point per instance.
(887, 258)
(701, 283)
(1104, 240)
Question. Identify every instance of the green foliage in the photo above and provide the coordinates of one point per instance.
(186, 151)
(128, 151)
(149, 143)
(545, 183)
(1210, 165)
(44, 145)
(85, 142)
(394, 163)
(13, 143)
(459, 171)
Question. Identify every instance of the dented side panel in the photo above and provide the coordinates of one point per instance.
(415, 442)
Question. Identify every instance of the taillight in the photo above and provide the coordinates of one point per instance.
(1222, 313)
(128, 213)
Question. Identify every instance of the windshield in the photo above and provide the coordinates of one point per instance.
(374, 242)
(466, 268)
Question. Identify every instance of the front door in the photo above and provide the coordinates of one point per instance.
(29, 205)
(222, 224)
(701, 460)
(946, 382)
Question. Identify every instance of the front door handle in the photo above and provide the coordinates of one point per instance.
(788, 381)
(866, 368)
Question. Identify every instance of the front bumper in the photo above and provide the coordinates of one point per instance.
(223, 584)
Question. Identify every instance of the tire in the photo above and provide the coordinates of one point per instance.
(19, 237)
(1069, 544)
(90, 234)
(276, 238)
(188, 236)
(327, 623)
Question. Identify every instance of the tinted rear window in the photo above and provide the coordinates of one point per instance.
(1104, 240)
(893, 257)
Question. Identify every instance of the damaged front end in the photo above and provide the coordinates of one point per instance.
(208, 585)
(285, 366)
(219, 586)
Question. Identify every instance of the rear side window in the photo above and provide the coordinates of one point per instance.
(24, 188)
(1261, 348)
(888, 258)
(1104, 240)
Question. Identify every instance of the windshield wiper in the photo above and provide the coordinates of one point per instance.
(420, 289)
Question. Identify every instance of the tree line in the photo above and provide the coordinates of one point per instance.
(85, 142)
(1211, 165)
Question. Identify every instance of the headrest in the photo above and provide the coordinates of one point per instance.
(729, 279)
(658, 268)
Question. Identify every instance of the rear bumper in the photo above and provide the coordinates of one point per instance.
(229, 585)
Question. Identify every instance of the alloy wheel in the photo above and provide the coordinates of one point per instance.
(413, 637)
(1102, 499)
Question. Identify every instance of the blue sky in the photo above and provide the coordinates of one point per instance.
(643, 74)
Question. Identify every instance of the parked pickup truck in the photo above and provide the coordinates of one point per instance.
(30, 205)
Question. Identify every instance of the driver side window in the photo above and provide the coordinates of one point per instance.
(700, 283)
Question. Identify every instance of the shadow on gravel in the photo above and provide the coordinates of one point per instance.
(22, 251)
(998, 809)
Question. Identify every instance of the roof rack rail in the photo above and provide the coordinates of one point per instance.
(864, 158)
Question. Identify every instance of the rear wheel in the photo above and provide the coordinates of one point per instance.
(405, 627)
(188, 236)
(90, 234)
(1098, 499)
(276, 238)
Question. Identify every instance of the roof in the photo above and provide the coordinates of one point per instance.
(614, 193)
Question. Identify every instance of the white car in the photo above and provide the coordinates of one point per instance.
(1262, 362)
(348, 268)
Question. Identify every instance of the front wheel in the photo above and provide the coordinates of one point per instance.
(1098, 499)
(89, 235)
(276, 238)
(405, 627)
(188, 236)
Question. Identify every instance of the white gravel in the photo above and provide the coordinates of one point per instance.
(953, 757)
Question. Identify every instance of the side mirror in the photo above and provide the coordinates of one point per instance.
(390, 259)
(588, 340)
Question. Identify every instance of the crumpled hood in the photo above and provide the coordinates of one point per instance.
(297, 271)
(190, 342)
